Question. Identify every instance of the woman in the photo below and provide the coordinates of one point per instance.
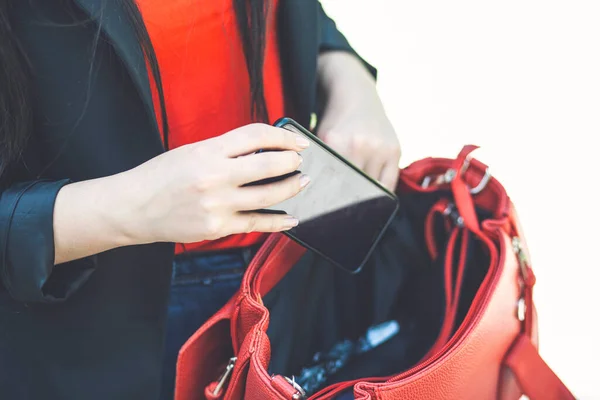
(125, 128)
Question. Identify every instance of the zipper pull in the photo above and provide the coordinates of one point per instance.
(225, 377)
(527, 277)
(523, 260)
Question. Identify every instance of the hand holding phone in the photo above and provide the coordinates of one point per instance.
(342, 212)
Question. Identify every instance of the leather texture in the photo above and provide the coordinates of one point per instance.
(492, 354)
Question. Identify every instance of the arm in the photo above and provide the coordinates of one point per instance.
(354, 121)
(185, 195)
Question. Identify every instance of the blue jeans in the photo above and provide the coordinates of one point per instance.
(201, 284)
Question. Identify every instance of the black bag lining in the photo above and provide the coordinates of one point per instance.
(317, 305)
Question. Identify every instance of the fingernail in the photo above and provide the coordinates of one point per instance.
(304, 180)
(290, 222)
(301, 160)
(302, 142)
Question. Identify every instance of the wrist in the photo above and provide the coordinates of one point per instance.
(122, 210)
(110, 204)
(89, 218)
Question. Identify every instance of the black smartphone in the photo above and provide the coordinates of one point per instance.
(343, 212)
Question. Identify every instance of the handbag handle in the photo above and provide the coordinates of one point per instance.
(462, 193)
(282, 256)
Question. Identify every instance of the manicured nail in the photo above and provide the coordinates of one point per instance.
(301, 160)
(290, 222)
(302, 142)
(304, 180)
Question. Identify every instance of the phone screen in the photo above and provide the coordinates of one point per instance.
(342, 212)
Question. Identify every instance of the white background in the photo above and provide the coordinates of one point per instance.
(522, 80)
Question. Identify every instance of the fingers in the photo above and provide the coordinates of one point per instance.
(389, 175)
(254, 137)
(361, 161)
(351, 147)
(257, 222)
(384, 168)
(260, 166)
(264, 196)
(377, 155)
(247, 199)
(375, 167)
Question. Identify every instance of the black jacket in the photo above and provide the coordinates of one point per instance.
(93, 328)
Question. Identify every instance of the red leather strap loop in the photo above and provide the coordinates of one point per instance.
(462, 193)
(430, 241)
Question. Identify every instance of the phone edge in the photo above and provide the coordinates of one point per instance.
(280, 123)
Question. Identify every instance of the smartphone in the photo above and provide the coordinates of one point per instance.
(343, 212)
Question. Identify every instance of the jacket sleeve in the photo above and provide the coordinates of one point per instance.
(332, 39)
(27, 268)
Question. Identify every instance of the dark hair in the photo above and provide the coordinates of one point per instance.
(15, 90)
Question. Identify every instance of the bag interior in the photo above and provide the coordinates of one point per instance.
(317, 305)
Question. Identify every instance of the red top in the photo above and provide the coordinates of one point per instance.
(204, 75)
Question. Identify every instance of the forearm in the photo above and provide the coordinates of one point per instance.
(91, 217)
(343, 78)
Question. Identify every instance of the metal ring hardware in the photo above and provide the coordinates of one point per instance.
(301, 394)
(448, 176)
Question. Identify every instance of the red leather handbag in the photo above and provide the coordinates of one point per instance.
(462, 301)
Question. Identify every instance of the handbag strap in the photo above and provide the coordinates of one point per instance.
(536, 379)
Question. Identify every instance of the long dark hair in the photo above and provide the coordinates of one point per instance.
(16, 115)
